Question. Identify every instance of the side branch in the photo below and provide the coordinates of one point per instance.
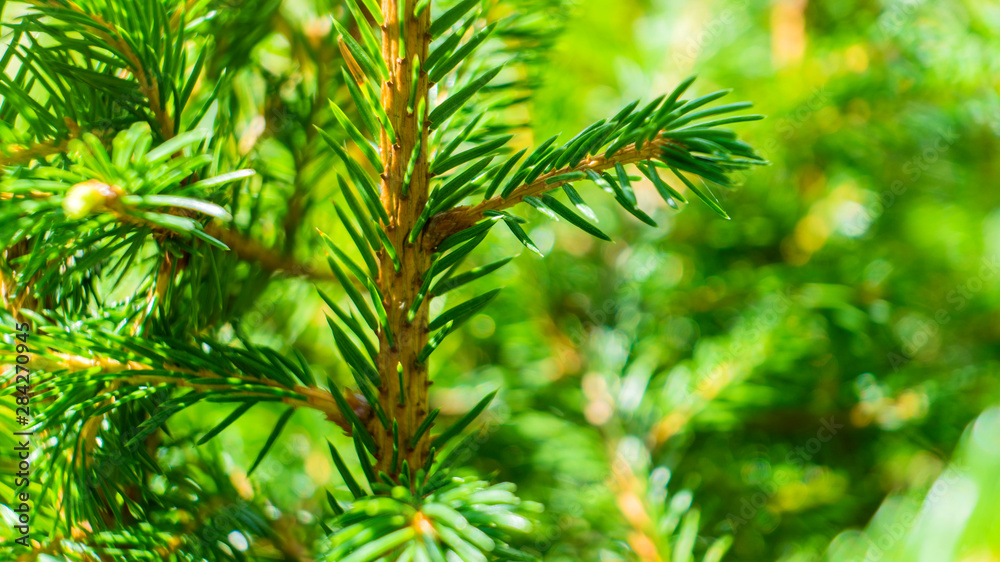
(15, 154)
(455, 220)
(106, 31)
(248, 249)
(313, 398)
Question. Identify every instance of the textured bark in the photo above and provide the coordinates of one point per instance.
(399, 288)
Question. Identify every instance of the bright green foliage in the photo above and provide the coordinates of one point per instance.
(168, 169)
(463, 518)
(856, 284)
(191, 220)
(958, 514)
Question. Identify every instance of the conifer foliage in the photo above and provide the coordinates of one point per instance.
(138, 223)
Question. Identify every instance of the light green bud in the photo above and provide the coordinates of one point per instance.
(84, 197)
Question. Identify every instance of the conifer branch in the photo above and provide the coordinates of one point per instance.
(148, 85)
(243, 247)
(13, 300)
(457, 219)
(175, 19)
(15, 154)
(125, 215)
(313, 397)
(248, 249)
(23, 155)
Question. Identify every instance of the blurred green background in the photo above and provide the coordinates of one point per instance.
(804, 374)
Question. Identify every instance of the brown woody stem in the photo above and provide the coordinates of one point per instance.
(248, 249)
(403, 397)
